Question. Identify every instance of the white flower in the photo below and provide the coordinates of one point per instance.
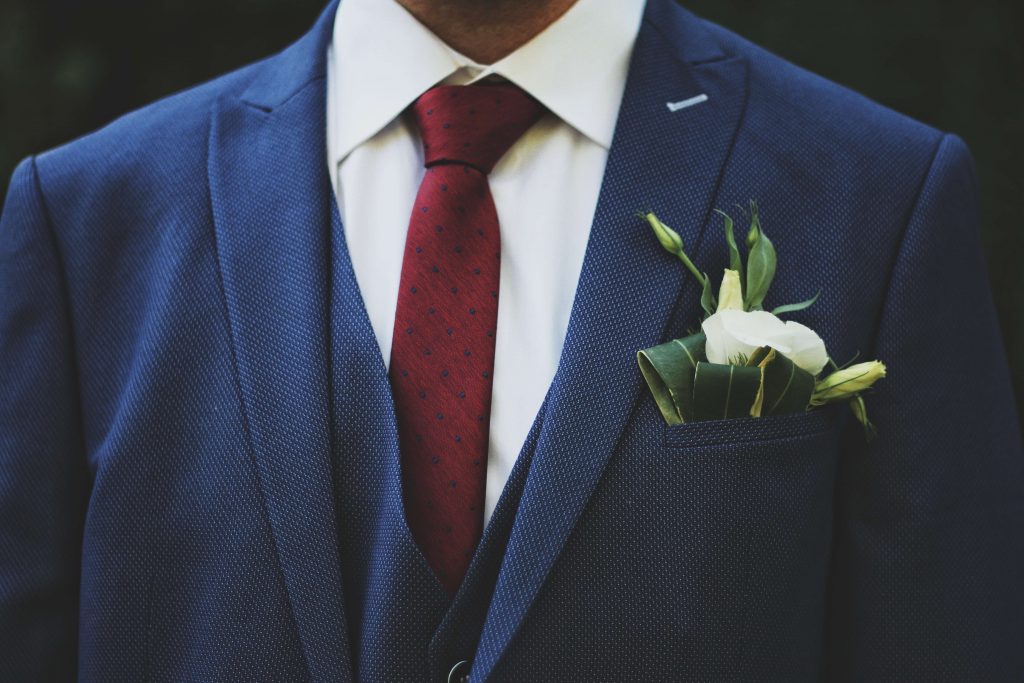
(732, 333)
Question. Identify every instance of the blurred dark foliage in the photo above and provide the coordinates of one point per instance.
(68, 66)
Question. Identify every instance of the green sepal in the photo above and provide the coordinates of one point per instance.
(761, 263)
(735, 261)
(669, 370)
(793, 308)
(707, 297)
(787, 387)
(724, 391)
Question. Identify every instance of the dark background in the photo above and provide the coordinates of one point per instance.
(68, 66)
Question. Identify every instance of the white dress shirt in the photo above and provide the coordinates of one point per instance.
(545, 188)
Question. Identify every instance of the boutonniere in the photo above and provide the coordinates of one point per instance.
(746, 361)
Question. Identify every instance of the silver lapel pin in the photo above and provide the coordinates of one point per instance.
(683, 104)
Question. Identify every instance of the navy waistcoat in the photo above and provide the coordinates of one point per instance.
(402, 625)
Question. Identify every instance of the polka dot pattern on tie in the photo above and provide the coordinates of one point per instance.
(442, 356)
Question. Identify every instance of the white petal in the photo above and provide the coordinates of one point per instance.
(723, 344)
(807, 349)
(732, 333)
(754, 328)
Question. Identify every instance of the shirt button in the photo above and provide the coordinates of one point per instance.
(459, 672)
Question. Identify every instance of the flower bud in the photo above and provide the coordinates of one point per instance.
(668, 237)
(844, 383)
(730, 296)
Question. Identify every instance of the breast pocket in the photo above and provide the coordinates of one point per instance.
(715, 532)
(770, 477)
(746, 433)
(778, 469)
(722, 479)
(713, 528)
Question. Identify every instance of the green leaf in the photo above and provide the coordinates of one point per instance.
(724, 391)
(793, 308)
(787, 387)
(669, 370)
(860, 412)
(761, 262)
(735, 262)
(707, 297)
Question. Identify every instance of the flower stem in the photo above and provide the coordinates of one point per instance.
(689, 266)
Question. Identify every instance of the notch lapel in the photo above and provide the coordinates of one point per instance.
(271, 201)
(663, 160)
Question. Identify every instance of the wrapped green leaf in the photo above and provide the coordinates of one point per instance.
(724, 391)
(669, 370)
(787, 387)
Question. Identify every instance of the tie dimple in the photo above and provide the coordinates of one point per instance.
(442, 355)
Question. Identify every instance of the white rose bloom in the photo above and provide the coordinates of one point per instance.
(731, 333)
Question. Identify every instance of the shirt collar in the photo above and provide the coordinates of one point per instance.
(381, 59)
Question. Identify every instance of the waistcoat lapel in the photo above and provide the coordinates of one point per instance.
(457, 637)
(393, 600)
(271, 200)
(663, 160)
(402, 624)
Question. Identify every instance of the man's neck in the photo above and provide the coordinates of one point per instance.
(486, 30)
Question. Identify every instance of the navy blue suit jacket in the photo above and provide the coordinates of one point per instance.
(166, 505)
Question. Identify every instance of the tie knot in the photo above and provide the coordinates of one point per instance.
(473, 124)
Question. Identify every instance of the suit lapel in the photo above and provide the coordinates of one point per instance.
(271, 200)
(663, 160)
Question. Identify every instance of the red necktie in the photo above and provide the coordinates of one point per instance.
(442, 354)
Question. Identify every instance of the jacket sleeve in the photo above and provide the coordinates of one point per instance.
(43, 478)
(927, 571)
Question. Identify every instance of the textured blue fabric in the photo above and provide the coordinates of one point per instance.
(395, 606)
(178, 425)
